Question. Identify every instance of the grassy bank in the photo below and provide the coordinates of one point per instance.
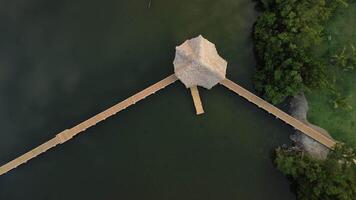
(337, 113)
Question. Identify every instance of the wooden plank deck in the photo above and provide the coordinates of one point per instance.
(70, 133)
(196, 99)
(309, 131)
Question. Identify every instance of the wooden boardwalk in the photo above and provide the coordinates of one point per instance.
(70, 133)
(328, 142)
(197, 101)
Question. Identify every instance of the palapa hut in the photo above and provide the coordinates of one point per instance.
(197, 63)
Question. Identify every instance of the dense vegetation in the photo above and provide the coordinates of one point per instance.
(287, 36)
(284, 36)
(332, 179)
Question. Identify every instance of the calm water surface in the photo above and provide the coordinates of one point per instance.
(63, 61)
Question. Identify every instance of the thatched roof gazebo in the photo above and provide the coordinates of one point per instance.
(197, 63)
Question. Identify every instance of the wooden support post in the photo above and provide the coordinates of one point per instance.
(196, 99)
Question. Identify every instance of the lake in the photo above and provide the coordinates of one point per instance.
(64, 61)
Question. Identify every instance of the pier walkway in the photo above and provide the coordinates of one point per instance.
(328, 142)
(196, 99)
(70, 133)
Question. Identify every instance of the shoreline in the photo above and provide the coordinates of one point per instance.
(299, 109)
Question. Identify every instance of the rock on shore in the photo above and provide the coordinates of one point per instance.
(299, 110)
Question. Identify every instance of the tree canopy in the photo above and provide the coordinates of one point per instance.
(331, 179)
(284, 35)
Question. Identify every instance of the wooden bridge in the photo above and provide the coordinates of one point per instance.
(309, 131)
(70, 133)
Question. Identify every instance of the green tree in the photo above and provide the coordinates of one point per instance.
(284, 35)
(331, 179)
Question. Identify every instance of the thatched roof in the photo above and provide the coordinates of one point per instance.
(197, 63)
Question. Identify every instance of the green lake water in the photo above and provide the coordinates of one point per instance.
(63, 61)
